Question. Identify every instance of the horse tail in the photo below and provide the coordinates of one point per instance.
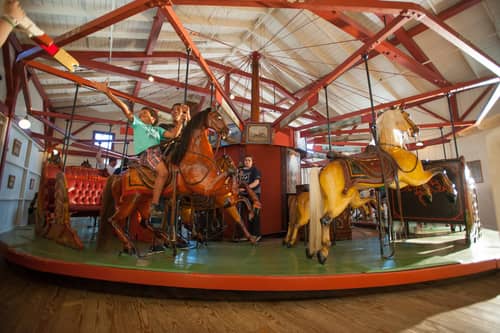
(105, 231)
(316, 209)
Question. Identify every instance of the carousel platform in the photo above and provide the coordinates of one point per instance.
(267, 266)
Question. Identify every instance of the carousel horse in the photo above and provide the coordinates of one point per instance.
(191, 170)
(300, 213)
(389, 163)
(228, 200)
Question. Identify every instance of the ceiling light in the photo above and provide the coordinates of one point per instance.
(55, 152)
(419, 144)
(231, 96)
(24, 123)
(151, 78)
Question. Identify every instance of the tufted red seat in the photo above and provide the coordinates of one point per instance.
(84, 186)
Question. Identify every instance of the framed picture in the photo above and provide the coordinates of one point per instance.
(11, 181)
(475, 170)
(16, 147)
(32, 183)
(258, 133)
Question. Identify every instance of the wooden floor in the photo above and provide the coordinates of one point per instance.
(38, 302)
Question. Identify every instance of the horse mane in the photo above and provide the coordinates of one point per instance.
(198, 121)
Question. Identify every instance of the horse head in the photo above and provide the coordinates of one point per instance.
(226, 164)
(216, 122)
(392, 124)
(409, 126)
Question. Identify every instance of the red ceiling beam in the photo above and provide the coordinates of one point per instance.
(141, 56)
(136, 75)
(382, 7)
(444, 15)
(77, 117)
(112, 69)
(430, 112)
(87, 83)
(150, 46)
(379, 7)
(405, 102)
(415, 50)
(228, 107)
(82, 128)
(98, 24)
(294, 111)
(474, 104)
(355, 29)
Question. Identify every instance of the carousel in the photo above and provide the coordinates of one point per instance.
(343, 221)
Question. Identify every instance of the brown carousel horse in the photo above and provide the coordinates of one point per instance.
(339, 182)
(227, 199)
(192, 170)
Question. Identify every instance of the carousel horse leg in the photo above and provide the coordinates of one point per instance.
(121, 214)
(303, 215)
(335, 202)
(299, 217)
(233, 212)
(158, 234)
(427, 193)
(128, 247)
(292, 218)
(451, 192)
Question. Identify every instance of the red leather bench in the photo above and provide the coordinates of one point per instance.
(84, 188)
(76, 192)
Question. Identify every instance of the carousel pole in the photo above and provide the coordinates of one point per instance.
(328, 123)
(125, 145)
(188, 52)
(109, 145)
(373, 126)
(373, 129)
(452, 121)
(211, 94)
(67, 133)
(444, 146)
(329, 154)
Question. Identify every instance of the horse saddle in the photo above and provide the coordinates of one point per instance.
(140, 178)
(373, 166)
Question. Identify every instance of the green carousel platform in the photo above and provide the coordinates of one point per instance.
(267, 266)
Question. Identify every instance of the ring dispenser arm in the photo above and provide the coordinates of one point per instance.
(47, 43)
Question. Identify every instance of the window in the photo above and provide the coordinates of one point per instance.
(104, 139)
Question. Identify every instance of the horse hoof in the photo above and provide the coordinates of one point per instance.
(325, 220)
(428, 199)
(289, 244)
(321, 258)
(157, 248)
(129, 250)
(309, 254)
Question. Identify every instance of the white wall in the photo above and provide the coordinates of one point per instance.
(493, 152)
(473, 147)
(23, 169)
(20, 180)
